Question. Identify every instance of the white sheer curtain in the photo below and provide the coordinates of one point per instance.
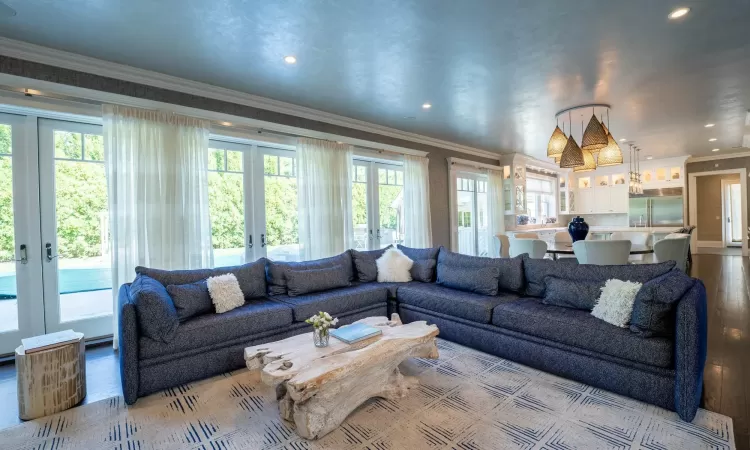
(416, 209)
(495, 210)
(157, 179)
(324, 197)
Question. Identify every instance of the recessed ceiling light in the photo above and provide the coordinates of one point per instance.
(426, 106)
(290, 59)
(712, 140)
(649, 157)
(708, 125)
(227, 124)
(623, 140)
(715, 150)
(679, 12)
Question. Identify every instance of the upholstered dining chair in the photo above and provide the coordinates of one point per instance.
(674, 247)
(536, 248)
(635, 238)
(526, 236)
(504, 245)
(563, 237)
(603, 253)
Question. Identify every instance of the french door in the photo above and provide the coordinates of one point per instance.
(377, 204)
(471, 211)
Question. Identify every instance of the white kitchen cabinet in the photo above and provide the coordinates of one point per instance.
(619, 199)
(585, 201)
(601, 200)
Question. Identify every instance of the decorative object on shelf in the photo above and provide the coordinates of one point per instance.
(321, 323)
(551, 220)
(635, 186)
(522, 219)
(598, 146)
(578, 229)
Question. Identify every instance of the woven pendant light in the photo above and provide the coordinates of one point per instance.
(589, 163)
(594, 138)
(572, 156)
(557, 143)
(611, 155)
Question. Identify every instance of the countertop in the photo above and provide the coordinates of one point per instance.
(594, 229)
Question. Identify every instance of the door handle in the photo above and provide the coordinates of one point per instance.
(48, 249)
(24, 257)
(378, 233)
(250, 241)
(262, 240)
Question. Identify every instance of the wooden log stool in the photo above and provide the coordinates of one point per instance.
(50, 381)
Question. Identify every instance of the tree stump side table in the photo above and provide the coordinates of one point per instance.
(51, 380)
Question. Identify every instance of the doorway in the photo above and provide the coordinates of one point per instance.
(731, 202)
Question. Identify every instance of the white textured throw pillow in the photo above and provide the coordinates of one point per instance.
(394, 266)
(615, 305)
(225, 292)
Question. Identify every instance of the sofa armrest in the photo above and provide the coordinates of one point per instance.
(690, 351)
(127, 329)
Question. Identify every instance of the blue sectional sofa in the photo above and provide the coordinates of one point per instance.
(536, 312)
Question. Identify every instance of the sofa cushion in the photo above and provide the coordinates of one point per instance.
(157, 316)
(336, 301)
(365, 264)
(425, 262)
(578, 294)
(536, 270)
(580, 329)
(190, 299)
(480, 280)
(255, 316)
(466, 305)
(250, 276)
(511, 269)
(305, 281)
(392, 288)
(275, 270)
(656, 303)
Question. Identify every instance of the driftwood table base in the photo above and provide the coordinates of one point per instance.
(317, 388)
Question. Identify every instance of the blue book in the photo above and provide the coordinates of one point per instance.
(355, 332)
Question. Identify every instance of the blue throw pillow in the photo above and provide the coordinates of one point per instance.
(305, 281)
(656, 304)
(576, 294)
(276, 270)
(156, 313)
(510, 269)
(250, 276)
(425, 262)
(480, 280)
(191, 299)
(364, 263)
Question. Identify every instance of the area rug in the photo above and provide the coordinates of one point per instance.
(467, 400)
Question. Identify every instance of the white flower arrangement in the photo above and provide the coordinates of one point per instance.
(322, 321)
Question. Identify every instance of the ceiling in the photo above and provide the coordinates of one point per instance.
(495, 71)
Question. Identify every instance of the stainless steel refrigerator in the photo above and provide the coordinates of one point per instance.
(656, 208)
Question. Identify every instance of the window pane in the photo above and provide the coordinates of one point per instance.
(234, 161)
(5, 139)
(359, 213)
(362, 173)
(227, 212)
(94, 147)
(270, 165)
(8, 293)
(282, 238)
(390, 202)
(399, 178)
(392, 177)
(68, 145)
(287, 167)
(382, 178)
(533, 184)
(215, 159)
(466, 243)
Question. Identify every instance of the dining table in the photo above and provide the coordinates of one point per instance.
(566, 248)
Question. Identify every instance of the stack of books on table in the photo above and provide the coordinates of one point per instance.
(355, 332)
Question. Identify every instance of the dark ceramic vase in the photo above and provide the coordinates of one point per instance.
(578, 229)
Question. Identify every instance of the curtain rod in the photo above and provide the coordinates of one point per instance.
(281, 133)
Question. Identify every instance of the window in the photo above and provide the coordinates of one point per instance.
(540, 200)
(226, 204)
(390, 204)
(471, 202)
(281, 237)
(360, 206)
(377, 204)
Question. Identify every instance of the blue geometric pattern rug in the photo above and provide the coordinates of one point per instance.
(466, 400)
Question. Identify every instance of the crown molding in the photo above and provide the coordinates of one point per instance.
(73, 61)
(744, 154)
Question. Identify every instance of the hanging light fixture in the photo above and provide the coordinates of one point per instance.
(557, 142)
(572, 156)
(589, 163)
(635, 186)
(611, 155)
(594, 138)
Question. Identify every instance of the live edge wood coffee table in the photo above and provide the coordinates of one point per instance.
(317, 388)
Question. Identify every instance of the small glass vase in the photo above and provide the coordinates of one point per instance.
(320, 337)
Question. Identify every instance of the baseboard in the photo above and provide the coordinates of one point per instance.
(712, 244)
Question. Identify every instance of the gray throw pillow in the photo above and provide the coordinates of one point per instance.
(656, 304)
(576, 294)
(480, 280)
(191, 299)
(250, 276)
(157, 317)
(305, 281)
(365, 265)
(425, 262)
(510, 269)
(276, 270)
